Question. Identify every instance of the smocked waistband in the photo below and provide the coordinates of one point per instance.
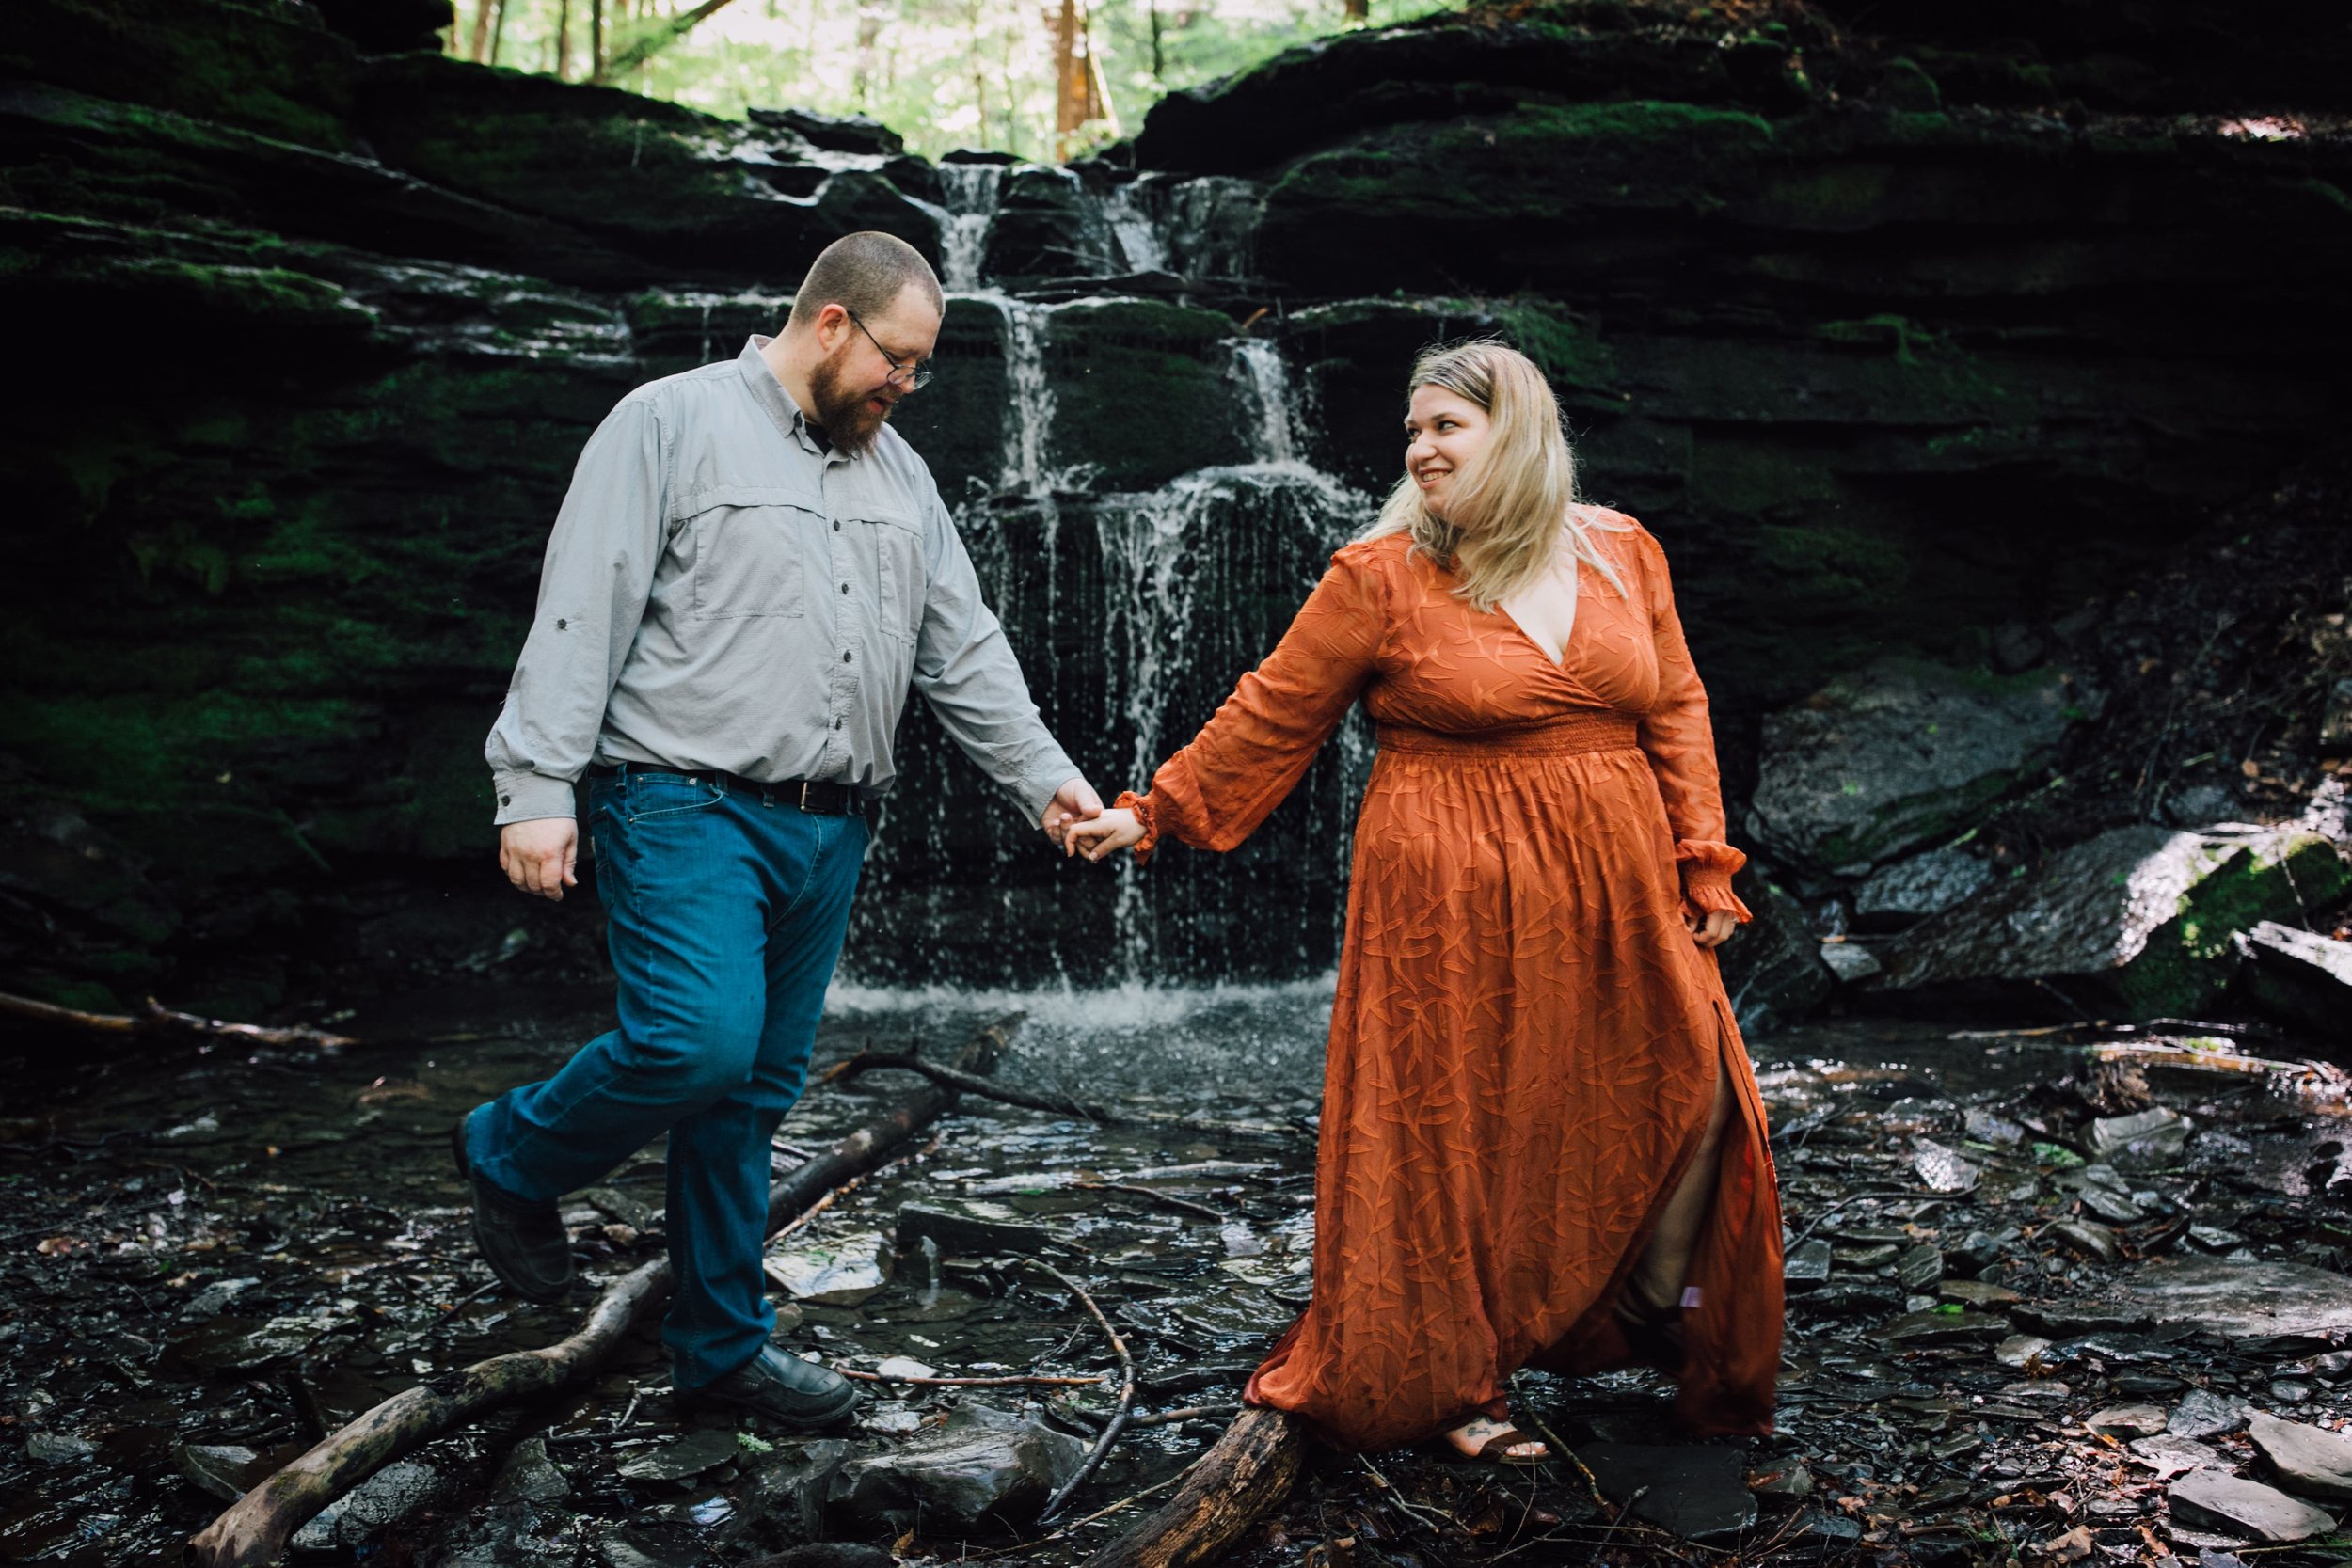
(1570, 735)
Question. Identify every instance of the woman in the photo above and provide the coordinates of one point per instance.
(1541, 1141)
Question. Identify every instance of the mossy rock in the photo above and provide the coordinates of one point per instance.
(2140, 922)
(1143, 391)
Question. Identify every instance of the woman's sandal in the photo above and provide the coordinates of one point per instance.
(1497, 1450)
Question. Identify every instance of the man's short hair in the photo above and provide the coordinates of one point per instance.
(864, 273)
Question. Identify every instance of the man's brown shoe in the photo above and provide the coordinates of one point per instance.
(524, 1244)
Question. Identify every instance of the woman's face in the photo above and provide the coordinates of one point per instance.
(1443, 431)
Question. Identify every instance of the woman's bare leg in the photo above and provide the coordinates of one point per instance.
(1656, 1288)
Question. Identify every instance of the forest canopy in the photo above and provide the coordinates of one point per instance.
(944, 73)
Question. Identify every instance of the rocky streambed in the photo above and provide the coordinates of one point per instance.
(2054, 1293)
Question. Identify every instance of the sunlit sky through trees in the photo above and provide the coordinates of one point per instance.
(944, 73)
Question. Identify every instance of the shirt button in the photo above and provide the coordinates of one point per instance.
(837, 525)
(509, 799)
(845, 588)
(561, 624)
(845, 656)
(836, 724)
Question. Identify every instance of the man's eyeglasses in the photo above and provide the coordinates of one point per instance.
(915, 376)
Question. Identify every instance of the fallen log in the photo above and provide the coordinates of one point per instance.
(255, 1529)
(156, 1018)
(1243, 1478)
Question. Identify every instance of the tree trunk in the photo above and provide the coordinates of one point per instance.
(596, 41)
(1356, 11)
(479, 49)
(1241, 1480)
(563, 40)
(497, 31)
(653, 43)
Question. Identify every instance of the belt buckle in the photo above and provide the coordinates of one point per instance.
(803, 801)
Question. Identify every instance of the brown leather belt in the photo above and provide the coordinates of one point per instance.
(816, 796)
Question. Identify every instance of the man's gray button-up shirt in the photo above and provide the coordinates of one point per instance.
(721, 593)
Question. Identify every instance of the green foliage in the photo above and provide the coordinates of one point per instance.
(944, 73)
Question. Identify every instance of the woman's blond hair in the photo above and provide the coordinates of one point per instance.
(1515, 501)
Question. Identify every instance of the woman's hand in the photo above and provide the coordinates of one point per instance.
(1711, 929)
(1100, 836)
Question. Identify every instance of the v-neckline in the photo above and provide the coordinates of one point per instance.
(1576, 619)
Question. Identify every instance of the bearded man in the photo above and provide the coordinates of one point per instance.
(749, 573)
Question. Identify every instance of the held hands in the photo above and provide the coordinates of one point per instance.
(537, 856)
(1073, 802)
(1711, 929)
(1109, 832)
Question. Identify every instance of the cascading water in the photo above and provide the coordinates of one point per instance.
(1134, 609)
(972, 191)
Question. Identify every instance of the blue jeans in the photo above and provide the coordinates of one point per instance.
(726, 912)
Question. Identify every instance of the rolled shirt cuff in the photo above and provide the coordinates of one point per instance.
(1038, 787)
(527, 796)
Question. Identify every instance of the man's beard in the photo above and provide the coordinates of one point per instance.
(843, 410)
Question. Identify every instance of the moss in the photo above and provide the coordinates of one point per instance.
(1569, 352)
(2189, 958)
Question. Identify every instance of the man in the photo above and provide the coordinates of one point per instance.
(748, 573)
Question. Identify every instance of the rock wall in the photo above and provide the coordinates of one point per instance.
(1903, 344)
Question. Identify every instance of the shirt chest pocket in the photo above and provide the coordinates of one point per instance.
(749, 550)
(900, 579)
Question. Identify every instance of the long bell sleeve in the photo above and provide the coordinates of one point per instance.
(1253, 752)
(1679, 739)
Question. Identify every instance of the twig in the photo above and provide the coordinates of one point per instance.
(156, 1018)
(1156, 1195)
(1119, 1416)
(448, 1315)
(1019, 1380)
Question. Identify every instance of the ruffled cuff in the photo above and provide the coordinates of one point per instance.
(1706, 870)
(1141, 806)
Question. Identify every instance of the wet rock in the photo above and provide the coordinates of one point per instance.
(1943, 1169)
(214, 1299)
(969, 1228)
(2171, 1456)
(1875, 1255)
(2287, 1390)
(832, 133)
(981, 1463)
(1696, 1493)
(2140, 919)
(2112, 1206)
(2127, 1420)
(1920, 1269)
(2203, 1414)
(1805, 1265)
(2238, 1300)
(1976, 1293)
(841, 1273)
(2154, 1133)
(2307, 1460)
(225, 1470)
(780, 1502)
(2246, 1507)
(402, 1488)
(2301, 978)
(2088, 1238)
(245, 1345)
(1849, 960)
(1938, 1326)
(901, 1367)
(58, 1448)
(827, 1554)
(683, 1458)
(1896, 756)
(1987, 1127)
(1908, 891)
(1786, 1476)
(2020, 1350)
(2334, 1367)
(1978, 1251)
(529, 1476)
(1774, 973)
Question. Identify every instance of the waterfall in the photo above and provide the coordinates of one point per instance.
(1132, 227)
(1265, 386)
(1029, 396)
(1211, 228)
(972, 191)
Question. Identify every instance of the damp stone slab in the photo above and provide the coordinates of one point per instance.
(2246, 1507)
(1696, 1493)
(2238, 1300)
(2308, 1460)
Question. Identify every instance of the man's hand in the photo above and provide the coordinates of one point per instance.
(1712, 929)
(1074, 801)
(537, 855)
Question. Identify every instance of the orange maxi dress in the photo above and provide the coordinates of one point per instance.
(1525, 1040)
